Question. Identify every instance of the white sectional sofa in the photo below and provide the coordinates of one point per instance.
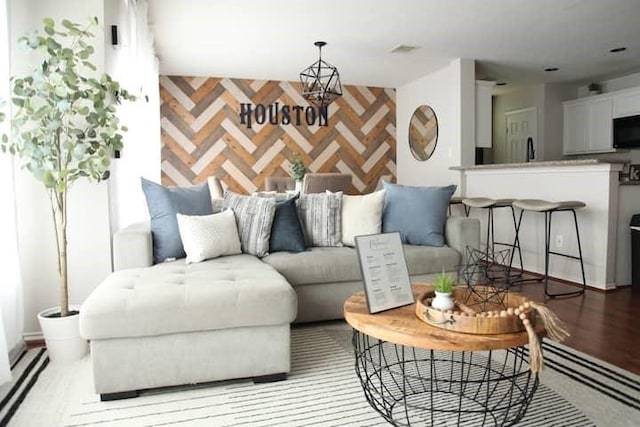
(176, 323)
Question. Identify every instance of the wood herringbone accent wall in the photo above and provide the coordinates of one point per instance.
(202, 134)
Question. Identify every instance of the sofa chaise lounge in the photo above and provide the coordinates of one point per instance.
(176, 323)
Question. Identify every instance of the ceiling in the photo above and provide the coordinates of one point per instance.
(511, 40)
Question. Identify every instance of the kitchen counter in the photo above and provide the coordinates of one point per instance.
(552, 163)
(603, 222)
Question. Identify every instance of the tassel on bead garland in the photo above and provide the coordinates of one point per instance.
(536, 360)
(554, 326)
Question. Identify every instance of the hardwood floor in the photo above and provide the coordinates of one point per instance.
(602, 324)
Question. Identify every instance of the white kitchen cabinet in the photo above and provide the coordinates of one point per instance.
(588, 125)
(484, 115)
(626, 103)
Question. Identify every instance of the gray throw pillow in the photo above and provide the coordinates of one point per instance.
(163, 204)
(254, 216)
(418, 213)
(320, 214)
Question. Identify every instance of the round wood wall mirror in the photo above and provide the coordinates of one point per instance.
(423, 132)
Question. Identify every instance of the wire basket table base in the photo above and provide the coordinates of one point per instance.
(413, 386)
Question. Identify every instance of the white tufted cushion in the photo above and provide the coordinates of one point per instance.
(209, 236)
(174, 297)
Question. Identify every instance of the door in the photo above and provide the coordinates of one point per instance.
(521, 125)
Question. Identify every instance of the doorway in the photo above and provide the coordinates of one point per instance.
(521, 126)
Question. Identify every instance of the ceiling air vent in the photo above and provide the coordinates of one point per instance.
(403, 48)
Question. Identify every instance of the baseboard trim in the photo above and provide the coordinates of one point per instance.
(33, 339)
(16, 352)
(610, 287)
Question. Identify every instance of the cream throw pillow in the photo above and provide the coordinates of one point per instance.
(209, 236)
(361, 215)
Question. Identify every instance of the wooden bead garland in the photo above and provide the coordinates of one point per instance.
(517, 314)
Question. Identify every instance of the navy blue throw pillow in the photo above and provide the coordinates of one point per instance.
(287, 233)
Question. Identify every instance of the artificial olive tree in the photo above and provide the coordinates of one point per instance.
(64, 125)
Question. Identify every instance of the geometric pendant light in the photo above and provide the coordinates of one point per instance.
(320, 81)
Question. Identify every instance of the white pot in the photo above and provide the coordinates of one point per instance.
(442, 301)
(298, 185)
(62, 336)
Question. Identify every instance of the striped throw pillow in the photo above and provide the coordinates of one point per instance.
(321, 215)
(254, 217)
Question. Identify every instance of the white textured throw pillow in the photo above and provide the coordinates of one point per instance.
(361, 215)
(209, 236)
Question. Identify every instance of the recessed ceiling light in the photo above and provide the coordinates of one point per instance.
(618, 49)
(551, 69)
(403, 48)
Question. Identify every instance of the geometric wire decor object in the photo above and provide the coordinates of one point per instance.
(320, 81)
(486, 274)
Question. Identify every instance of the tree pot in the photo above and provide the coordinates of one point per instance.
(62, 335)
(442, 301)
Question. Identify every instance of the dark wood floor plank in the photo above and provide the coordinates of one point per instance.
(605, 325)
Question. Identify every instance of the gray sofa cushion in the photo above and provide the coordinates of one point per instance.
(174, 297)
(340, 264)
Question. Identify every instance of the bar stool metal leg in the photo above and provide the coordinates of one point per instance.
(549, 252)
(549, 208)
(516, 245)
(490, 249)
(520, 279)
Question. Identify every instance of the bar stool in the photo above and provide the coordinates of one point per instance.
(490, 205)
(549, 208)
(455, 200)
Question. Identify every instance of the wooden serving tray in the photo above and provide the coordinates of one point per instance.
(478, 312)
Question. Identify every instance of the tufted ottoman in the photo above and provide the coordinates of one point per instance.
(177, 323)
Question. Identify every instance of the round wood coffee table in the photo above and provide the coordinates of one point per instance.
(414, 373)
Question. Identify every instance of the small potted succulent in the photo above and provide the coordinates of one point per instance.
(594, 88)
(443, 285)
(297, 170)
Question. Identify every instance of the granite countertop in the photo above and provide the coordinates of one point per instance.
(577, 162)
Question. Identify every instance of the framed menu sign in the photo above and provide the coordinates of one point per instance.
(384, 271)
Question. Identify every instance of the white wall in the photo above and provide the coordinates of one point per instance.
(450, 91)
(142, 144)
(89, 240)
(531, 96)
(554, 95)
(547, 99)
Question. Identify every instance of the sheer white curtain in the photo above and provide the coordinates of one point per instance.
(11, 307)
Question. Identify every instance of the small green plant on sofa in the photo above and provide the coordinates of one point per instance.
(444, 282)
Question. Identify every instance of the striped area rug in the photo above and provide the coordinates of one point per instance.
(322, 390)
(25, 372)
